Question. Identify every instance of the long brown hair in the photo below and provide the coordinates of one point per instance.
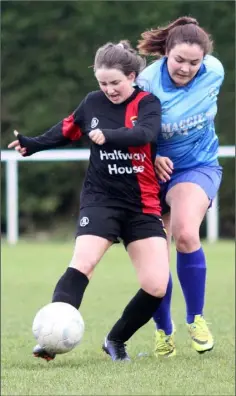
(183, 30)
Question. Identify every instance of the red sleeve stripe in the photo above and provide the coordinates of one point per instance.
(148, 184)
(70, 130)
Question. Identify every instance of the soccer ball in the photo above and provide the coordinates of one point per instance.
(58, 327)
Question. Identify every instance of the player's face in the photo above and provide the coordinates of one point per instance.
(115, 84)
(183, 62)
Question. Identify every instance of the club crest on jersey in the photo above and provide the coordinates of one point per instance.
(134, 120)
(94, 122)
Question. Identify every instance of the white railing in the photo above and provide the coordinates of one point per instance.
(12, 157)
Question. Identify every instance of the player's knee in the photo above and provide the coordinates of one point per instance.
(158, 291)
(85, 264)
(186, 239)
(155, 289)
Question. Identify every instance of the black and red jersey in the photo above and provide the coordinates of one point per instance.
(120, 172)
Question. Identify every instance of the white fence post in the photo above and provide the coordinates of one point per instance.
(12, 201)
(212, 223)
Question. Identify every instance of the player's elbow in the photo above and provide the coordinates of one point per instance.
(149, 136)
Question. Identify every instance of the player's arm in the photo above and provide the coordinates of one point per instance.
(67, 130)
(145, 131)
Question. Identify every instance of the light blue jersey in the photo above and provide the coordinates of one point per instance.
(188, 133)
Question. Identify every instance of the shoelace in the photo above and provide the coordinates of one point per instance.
(200, 326)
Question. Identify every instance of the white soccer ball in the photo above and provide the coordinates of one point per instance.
(58, 327)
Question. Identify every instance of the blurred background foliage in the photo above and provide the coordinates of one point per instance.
(47, 53)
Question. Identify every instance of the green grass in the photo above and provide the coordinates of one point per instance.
(29, 273)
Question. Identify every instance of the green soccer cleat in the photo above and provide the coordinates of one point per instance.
(164, 344)
(202, 339)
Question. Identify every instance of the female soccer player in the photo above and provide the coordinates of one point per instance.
(187, 80)
(119, 198)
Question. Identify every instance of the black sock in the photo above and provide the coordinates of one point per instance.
(138, 312)
(70, 287)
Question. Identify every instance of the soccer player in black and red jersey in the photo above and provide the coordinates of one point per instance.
(119, 199)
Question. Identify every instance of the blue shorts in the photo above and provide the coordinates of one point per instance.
(207, 177)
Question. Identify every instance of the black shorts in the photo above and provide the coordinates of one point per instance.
(117, 224)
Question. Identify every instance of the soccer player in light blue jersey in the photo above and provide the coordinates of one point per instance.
(186, 79)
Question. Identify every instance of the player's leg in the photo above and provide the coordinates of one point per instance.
(71, 286)
(149, 256)
(189, 200)
(91, 243)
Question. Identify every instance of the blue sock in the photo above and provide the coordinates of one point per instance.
(162, 316)
(191, 269)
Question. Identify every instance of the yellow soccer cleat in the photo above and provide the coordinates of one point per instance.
(164, 344)
(202, 340)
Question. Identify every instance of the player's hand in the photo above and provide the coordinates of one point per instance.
(164, 168)
(97, 136)
(16, 145)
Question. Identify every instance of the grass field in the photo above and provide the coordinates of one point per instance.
(29, 273)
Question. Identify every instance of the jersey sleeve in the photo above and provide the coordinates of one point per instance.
(214, 69)
(65, 131)
(146, 129)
